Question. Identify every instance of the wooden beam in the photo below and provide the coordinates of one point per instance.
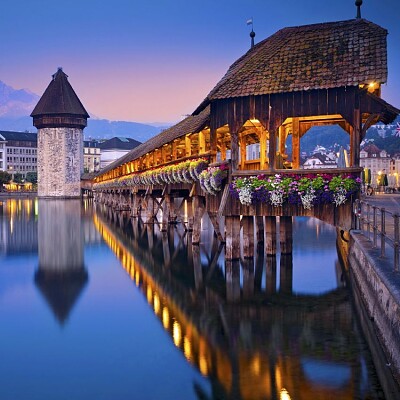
(188, 146)
(263, 149)
(234, 150)
(202, 142)
(295, 143)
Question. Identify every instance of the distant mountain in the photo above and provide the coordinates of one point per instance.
(16, 106)
(330, 137)
(16, 103)
(105, 129)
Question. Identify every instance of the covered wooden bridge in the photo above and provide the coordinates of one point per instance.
(300, 77)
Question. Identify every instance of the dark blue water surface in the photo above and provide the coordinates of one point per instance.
(94, 305)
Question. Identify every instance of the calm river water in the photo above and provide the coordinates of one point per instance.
(93, 306)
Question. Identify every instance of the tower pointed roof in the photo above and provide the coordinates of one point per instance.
(59, 99)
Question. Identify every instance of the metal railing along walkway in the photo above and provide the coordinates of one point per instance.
(380, 226)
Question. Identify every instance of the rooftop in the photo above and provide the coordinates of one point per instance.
(317, 56)
(59, 99)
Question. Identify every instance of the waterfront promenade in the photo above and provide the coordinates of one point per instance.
(372, 265)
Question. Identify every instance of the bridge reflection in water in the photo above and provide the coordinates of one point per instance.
(253, 339)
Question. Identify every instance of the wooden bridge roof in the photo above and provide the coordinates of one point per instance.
(59, 98)
(317, 56)
(191, 124)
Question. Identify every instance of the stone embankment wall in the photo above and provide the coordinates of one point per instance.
(60, 162)
(379, 288)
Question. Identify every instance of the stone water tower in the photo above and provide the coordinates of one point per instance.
(60, 119)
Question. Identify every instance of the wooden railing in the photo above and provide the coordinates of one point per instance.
(378, 224)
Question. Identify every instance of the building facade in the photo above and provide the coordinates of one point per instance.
(91, 156)
(18, 152)
(377, 160)
(3, 163)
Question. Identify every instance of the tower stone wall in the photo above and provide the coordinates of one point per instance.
(60, 162)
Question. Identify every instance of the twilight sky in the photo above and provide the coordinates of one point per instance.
(155, 61)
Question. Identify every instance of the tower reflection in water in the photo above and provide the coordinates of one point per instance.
(251, 339)
(61, 275)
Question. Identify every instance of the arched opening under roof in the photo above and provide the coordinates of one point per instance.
(298, 134)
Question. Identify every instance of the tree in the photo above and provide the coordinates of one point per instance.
(5, 177)
(18, 178)
(31, 177)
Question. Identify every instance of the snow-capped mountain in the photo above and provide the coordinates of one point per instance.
(16, 103)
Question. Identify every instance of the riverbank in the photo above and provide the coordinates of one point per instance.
(12, 195)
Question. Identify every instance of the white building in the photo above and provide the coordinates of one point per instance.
(319, 160)
(18, 152)
(115, 148)
(91, 156)
(376, 160)
(3, 159)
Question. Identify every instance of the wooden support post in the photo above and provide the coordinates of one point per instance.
(213, 144)
(272, 148)
(223, 149)
(259, 228)
(188, 146)
(214, 218)
(242, 142)
(355, 140)
(248, 278)
(202, 142)
(232, 237)
(248, 236)
(198, 211)
(286, 274)
(150, 237)
(270, 275)
(296, 143)
(150, 210)
(263, 149)
(165, 212)
(189, 209)
(232, 277)
(174, 150)
(270, 234)
(286, 235)
(282, 140)
(173, 212)
(234, 150)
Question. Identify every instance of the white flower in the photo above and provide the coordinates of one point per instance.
(245, 195)
(276, 198)
(339, 197)
(307, 198)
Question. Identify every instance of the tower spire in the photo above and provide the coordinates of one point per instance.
(358, 4)
(252, 33)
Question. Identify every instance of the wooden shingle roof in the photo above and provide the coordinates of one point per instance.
(318, 56)
(191, 124)
(59, 99)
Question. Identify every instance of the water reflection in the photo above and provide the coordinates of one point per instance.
(18, 226)
(252, 336)
(61, 275)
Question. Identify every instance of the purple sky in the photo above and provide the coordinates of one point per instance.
(155, 61)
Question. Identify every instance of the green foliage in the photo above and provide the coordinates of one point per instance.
(18, 178)
(5, 177)
(31, 177)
